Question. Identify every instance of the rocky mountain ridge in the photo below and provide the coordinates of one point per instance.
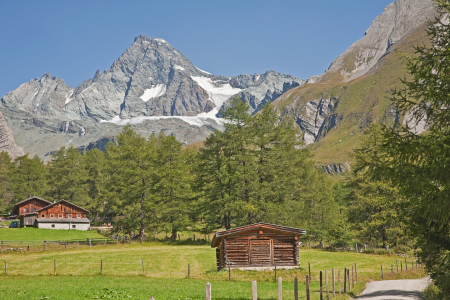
(333, 109)
(7, 142)
(149, 85)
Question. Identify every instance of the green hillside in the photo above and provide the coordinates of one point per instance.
(359, 102)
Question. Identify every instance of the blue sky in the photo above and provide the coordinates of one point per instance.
(73, 39)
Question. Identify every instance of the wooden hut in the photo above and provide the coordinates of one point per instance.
(25, 210)
(258, 245)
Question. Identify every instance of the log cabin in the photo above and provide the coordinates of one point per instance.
(40, 213)
(259, 245)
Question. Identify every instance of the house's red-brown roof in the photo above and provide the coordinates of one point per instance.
(219, 236)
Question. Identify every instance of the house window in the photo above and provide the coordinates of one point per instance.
(52, 216)
(74, 226)
(60, 216)
(24, 210)
(53, 225)
(78, 216)
(43, 216)
(69, 216)
(34, 209)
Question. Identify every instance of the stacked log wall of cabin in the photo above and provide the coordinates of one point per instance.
(220, 256)
(284, 247)
(62, 209)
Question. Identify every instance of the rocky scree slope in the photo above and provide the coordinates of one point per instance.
(151, 86)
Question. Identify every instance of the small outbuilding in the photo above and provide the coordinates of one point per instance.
(259, 245)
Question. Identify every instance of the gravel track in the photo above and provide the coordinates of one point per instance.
(408, 289)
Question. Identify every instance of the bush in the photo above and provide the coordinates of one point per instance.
(432, 292)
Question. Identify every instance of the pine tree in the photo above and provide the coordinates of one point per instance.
(173, 187)
(6, 190)
(29, 178)
(132, 184)
(96, 183)
(419, 164)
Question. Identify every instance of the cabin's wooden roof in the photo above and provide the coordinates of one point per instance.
(219, 236)
(23, 201)
(62, 201)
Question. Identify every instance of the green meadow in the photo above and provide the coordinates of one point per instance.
(138, 271)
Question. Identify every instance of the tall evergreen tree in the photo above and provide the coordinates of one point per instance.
(173, 186)
(29, 178)
(419, 164)
(68, 176)
(97, 169)
(6, 190)
(133, 178)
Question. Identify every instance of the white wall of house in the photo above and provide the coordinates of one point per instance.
(78, 226)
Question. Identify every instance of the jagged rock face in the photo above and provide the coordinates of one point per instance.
(333, 169)
(45, 96)
(313, 118)
(398, 19)
(7, 142)
(259, 90)
(149, 83)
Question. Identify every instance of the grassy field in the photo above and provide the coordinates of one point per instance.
(78, 273)
(39, 234)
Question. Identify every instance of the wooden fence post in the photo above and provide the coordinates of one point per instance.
(90, 245)
(44, 245)
(78, 245)
(345, 281)
(381, 271)
(189, 270)
(280, 288)
(309, 270)
(28, 248)
(65, 246)
(348, 280)
(401, 267)
(208, 291)
(101, 266)
(254, 290)
(326, 283)
(179, 239)
(396, 261)
(229, 270)
(320, 289)
(339, 280)
(275, 272)
(307, 287)
(295, 288)
(143, 270)
(356, 274)
(334, 283)
(353, 279)
(406, 264)
(54, 266)
(6, 268)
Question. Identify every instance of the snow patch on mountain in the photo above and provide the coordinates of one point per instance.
(154, 92)
(218, 93)
(199, 120)
(179, 68)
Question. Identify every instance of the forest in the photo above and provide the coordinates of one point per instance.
(256, 170)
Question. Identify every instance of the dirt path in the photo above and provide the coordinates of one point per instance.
(408, 289)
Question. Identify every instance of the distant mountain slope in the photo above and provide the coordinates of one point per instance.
(334, 109)
(151, 86)
(7, 143)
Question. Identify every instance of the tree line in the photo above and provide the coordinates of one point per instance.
(255, 170)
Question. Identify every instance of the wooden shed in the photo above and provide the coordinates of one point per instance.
(258, 245)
